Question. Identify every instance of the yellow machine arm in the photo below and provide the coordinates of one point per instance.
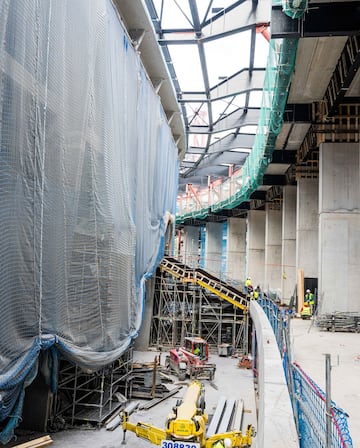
(188, 421)
(238, 439)
(145, 431)
(187, 424)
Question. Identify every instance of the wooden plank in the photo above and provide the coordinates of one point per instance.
(41, 441)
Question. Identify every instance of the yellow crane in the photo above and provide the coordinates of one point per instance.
(185, 426)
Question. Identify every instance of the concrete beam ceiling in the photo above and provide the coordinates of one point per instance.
(315, 64)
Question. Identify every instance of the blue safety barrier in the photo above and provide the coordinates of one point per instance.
(308, 399)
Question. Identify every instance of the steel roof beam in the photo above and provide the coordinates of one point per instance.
(239, 17)
(320, 19)
(287, 156)
(241, 82)
(233, 141)
(236, 119)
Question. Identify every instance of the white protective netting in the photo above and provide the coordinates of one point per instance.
(88, 180)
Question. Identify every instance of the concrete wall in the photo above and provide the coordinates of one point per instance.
(307, 226)
(255, 247)
(288, 255)
(236, 249)
(142, 341)
(339, 224)
(213, 248)
(276, 423)
(273, 234)
(190, 246)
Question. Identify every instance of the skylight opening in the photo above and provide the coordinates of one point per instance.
(227, 56)
(190, 80)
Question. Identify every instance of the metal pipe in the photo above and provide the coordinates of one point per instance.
(328, 399)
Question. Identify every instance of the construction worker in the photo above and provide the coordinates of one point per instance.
(196, 350)
(226, 443)
(309, 298)
(256, 292)
(305, 311)
(248, 285)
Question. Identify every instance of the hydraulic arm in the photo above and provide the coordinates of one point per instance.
(186, 424)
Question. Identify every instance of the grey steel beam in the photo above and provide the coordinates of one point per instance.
(241, 82)
(286, 156)
(237, 119)
(274, 179)
(297, 113)
(239, 17)
(344, 74)
(232, 141)
(320, 19)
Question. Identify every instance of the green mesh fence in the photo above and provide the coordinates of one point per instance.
(280, 66)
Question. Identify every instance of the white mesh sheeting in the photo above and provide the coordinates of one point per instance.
(88, 176)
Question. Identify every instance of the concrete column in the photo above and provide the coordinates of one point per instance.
(255, 247)
(190, 251)
(307, 226)
(273, 235)
(339, 227)
(288, 254)
(236, 249)
(143, 339)
(213, 248)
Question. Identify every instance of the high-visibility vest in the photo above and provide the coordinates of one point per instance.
(248, 283)
(219, 444)
(309, 298)
(306, 310)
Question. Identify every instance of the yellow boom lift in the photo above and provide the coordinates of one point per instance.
(185, 426)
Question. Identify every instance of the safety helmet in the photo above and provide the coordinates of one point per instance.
(249, 278)
(227, 443)
(308, 291)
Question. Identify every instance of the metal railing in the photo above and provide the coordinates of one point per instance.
(308, 399)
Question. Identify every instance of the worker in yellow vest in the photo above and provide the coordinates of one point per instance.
(309, 298)
(248, 285)
(305, 311)
(226, 443)
(256, 292)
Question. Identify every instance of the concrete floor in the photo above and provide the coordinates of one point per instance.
(309, 348)
(230, 380)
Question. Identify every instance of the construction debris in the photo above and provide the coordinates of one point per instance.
(41, 441)
(245, 362)
(349, 322)
(146, 380)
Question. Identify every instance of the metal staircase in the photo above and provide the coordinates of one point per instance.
(207, 281)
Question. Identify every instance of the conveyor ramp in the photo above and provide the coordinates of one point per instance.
(205, 280)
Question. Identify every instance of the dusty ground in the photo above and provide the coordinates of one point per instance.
(230, 381)
(309, 348)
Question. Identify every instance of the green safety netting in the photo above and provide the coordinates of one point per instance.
(280, 67)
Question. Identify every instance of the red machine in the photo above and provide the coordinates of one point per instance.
(191, 360)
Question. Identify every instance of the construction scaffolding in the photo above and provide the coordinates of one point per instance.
(84, 396)
(191, 302)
